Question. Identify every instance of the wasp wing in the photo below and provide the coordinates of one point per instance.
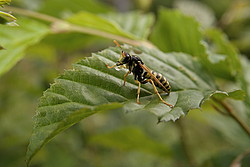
(149, 71)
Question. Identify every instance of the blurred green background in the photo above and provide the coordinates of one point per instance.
(117, 139)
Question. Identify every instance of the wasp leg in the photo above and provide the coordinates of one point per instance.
(110, 66)
(138, 92)
(125, 77)
(168, 93)
(156, 91)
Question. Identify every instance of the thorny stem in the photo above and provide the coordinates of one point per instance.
(81, 29)
(231, 113)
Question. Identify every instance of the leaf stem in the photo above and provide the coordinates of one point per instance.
(81, 29)
(237, 161)
(29, 13)
(231, 113)
(185, 145)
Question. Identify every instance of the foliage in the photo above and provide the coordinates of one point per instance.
(6, 18)
(205, 70)
(15, 47)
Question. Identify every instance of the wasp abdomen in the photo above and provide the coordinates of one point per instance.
(161, 79)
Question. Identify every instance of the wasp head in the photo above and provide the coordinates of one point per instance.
(124, 58)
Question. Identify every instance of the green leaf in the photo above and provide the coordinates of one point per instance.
(133, 25)
(129, 139)
(223, 56)
(245, 80)
(64, 8)
(202, 13)
(78, 41)
(16, 39)
(176, 32)
(236, 95)
(4, 2)
(96, 22)
(135, 22)
(91, 87)
(6, 18)
(53, 118)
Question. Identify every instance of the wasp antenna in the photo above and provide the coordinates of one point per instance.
(117, 44)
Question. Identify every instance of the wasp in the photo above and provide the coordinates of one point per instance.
(142, 74)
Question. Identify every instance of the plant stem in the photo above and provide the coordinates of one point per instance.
(231, 113)
(29, 13)
(81, 29)
(237, 161)
(184, 142)
(236, 117)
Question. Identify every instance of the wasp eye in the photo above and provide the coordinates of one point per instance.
(127, 55)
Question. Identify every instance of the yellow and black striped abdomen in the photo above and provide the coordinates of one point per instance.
(160, 78)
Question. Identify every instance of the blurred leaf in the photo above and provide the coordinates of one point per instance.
(6, 18)
(243, 40)
(238, 161)
(132, 25)
(4, 2)
(78, 41)
(219, 7)
(177, 32)
(237, 95)
(235, 23)
(60, 8)
(201, 12)
(237, 12)
(96, 22)
(219, 46)
(133, 22)
(221, 136)
(81, 92)
(16, 39)
(51, 119)
(129, 139)
(245, 80)
(228, 128)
